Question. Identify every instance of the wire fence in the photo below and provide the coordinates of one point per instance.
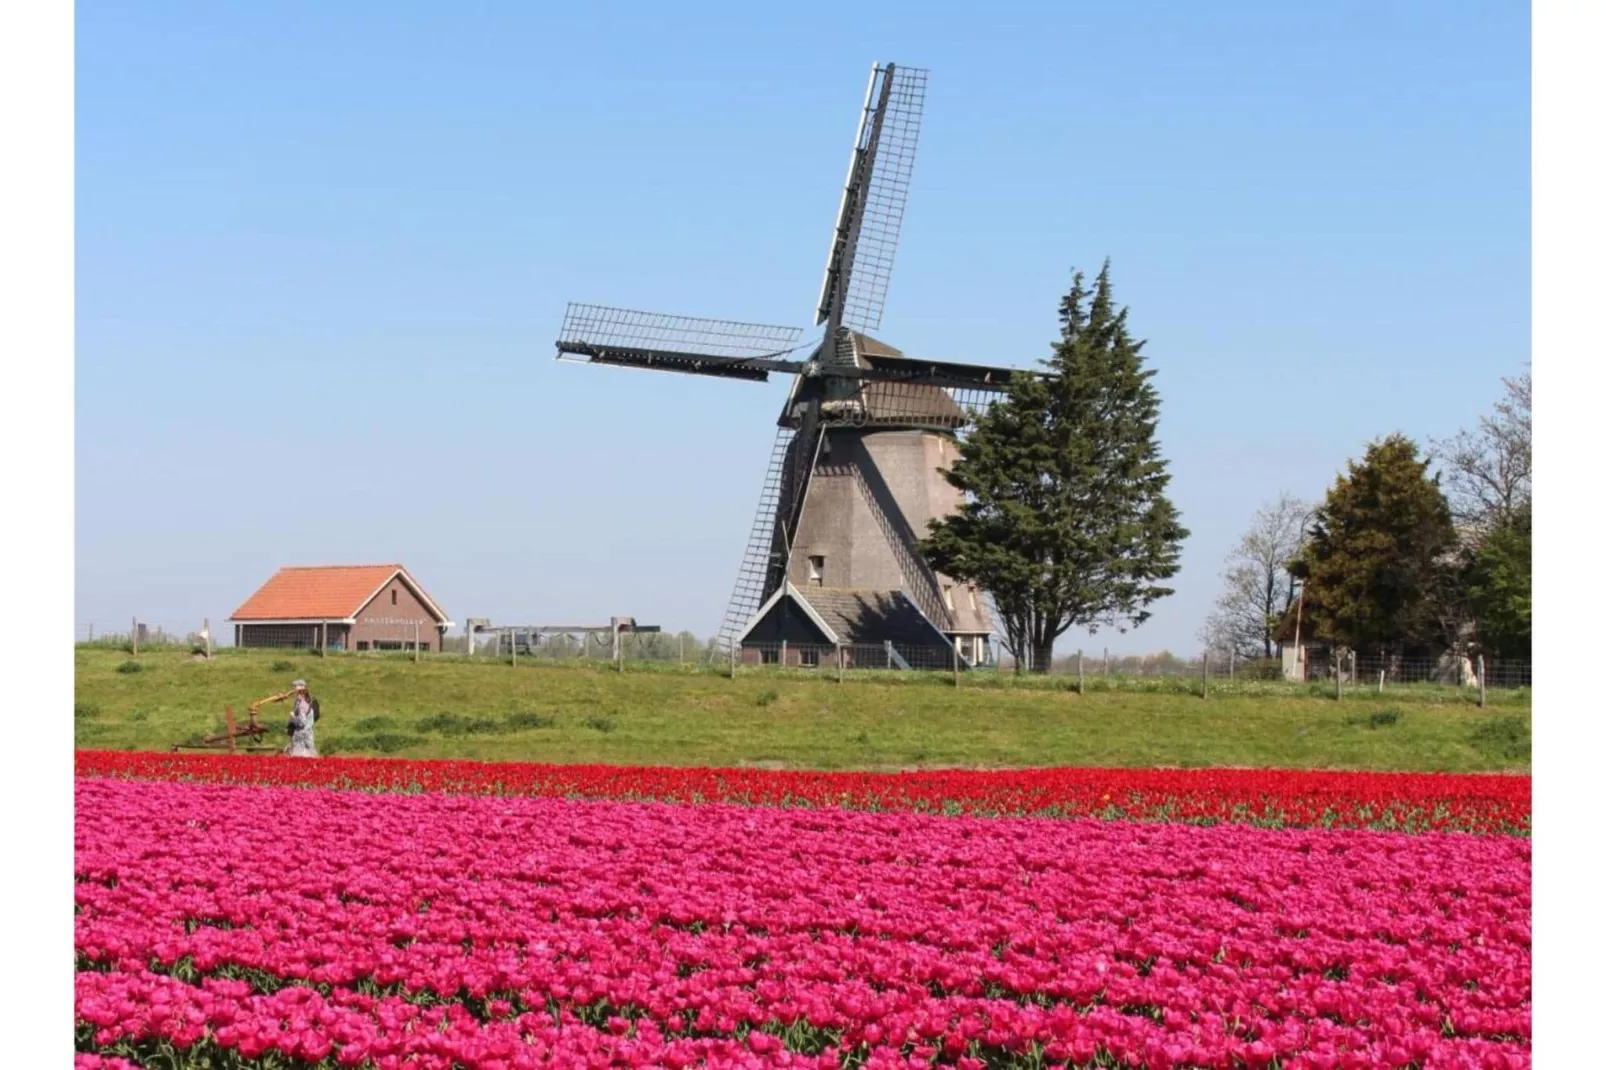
(134, 635)
(1318, 672)
(887, 655)
(1346, 668)
(582, 644)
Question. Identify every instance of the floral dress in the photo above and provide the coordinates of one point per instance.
(301, 722)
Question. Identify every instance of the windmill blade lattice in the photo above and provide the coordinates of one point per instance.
(885, 198)
(631, 338)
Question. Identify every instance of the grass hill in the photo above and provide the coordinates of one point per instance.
(671, 714)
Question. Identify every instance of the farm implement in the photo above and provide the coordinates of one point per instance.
(249, 737)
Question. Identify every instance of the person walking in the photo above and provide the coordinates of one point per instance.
(304, 715)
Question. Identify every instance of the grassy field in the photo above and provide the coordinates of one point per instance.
(670, 715)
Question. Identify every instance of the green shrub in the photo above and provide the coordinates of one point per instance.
(282, 666)
(84, 711)
(450, 724)
(129, 666)
(599, 723)
(1506, 736)
(531, 719)
(384, 742)
(374, 724)
(767, 697)
(1385, 717)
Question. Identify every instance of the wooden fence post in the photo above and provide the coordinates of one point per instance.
(206, 626)
(1204, 675)
(783, 654)
(323, 639)
(1380, 673)
(1232, 664)
(1483, 685)
(1080, 682)
(1106, 661)
(839, 661)
(1338, 677)
(133, 636)
(418, 653)
(733, 659)
(955, 643)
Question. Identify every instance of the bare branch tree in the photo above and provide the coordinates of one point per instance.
(1488, 473)
(1257, 589)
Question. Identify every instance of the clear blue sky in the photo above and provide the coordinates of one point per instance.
(323, 250)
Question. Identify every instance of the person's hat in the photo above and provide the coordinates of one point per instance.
(299, 685)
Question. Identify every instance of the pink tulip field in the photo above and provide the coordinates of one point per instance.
(234, 925)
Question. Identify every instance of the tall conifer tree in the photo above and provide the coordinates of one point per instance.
(1381, 554)
(1065, 520)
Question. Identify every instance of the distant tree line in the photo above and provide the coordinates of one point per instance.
(1409, 554)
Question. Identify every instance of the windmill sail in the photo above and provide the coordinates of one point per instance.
(760, 559)
(633, 339)
(859, 265)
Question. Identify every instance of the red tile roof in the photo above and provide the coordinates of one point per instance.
(321, 592)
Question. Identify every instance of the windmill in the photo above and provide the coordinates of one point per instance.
(855, 474)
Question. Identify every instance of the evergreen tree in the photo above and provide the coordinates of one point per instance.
(1381, 552)
(1065, 520)
(1500, 587)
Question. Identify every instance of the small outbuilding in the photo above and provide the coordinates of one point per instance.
(341, 607)
(879, 629)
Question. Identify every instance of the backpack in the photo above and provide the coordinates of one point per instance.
(316, 712)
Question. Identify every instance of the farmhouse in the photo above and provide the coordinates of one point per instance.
(341, 607)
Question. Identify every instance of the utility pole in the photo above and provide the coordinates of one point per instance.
(1299, 651)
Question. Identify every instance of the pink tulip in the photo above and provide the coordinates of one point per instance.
(1163, 945)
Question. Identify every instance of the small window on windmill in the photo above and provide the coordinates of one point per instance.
(393, 596)
(948, 596)
(817, 570)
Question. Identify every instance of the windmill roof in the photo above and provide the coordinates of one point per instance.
(891, 402)
(864, 345)
(325, 592)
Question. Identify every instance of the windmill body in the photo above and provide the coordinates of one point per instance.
(856, 471)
